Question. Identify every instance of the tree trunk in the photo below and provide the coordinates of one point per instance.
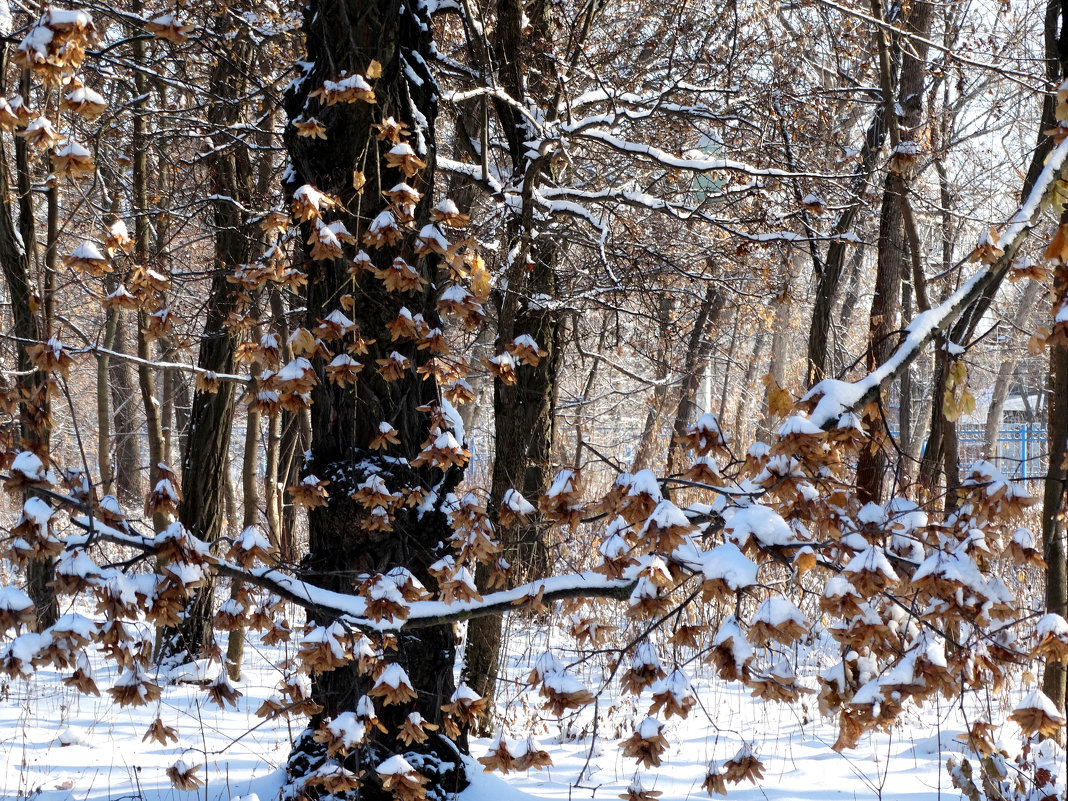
(18, 249)
(524, 424)
(650, 438)
(1053, 499)
(250, 497)
(781, 339)
(848, 307)
(166, 410)
(524, 412)
(346, 35)
(894, 244)
(272, 492)
(205, 472)
(103, 404)
(738, 431)
(697, 350)
(146, 378)
(828, 280)
(129, 486)
(1056, 483)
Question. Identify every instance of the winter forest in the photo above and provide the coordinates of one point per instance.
(505, 399)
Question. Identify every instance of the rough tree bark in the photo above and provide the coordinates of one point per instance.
(205, 470)
(524, 412)
(1053, 499)
(346, 35)
(18, 246)
(1056, 484)
(129, 485)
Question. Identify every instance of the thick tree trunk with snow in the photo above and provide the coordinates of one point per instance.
(524, 412)
(346, 35)
(525, 418)
(525, 422)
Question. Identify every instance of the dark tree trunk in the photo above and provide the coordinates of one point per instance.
(834, 264)
(18, 247)
(205, 471)
(1053, 500)
(345, 35)
(1056, 483)
(525, 417)
(893, 245)
(524, 412)
(525, 423)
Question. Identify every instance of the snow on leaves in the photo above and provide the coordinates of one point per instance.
(751, 552)
(889, 576)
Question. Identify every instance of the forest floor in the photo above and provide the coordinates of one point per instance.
(57, 744)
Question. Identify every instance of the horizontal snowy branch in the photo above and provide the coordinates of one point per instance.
(98, 350)
(327, 604)
(682, 163)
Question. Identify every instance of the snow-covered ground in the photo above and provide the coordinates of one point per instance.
(57, 744)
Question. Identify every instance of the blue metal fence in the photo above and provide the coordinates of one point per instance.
(1020, 451)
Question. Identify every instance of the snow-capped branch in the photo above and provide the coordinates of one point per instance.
(497, 94)
(471, 171)
(682, 163)
(98, 350)
(352, 609)
(837, 397)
